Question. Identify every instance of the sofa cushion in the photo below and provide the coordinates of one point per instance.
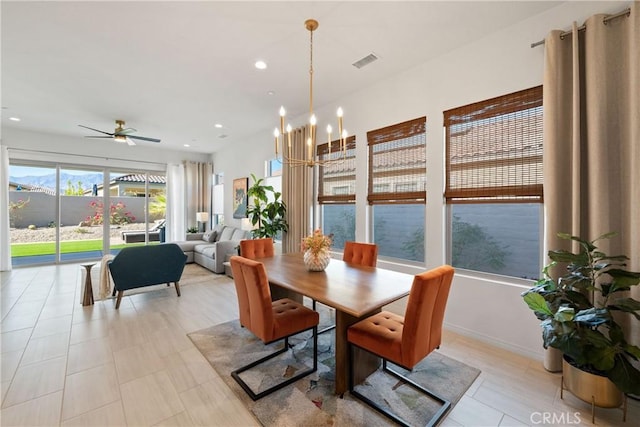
(239, 234)
(188, 245)
(227, 233)
(218, 229)
(210, 236)
(206, 250)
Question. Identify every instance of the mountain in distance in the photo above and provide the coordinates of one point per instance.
(49, 181)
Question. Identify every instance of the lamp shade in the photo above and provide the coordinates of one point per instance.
(202, 216)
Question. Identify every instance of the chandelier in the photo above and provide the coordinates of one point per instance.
(309, 158)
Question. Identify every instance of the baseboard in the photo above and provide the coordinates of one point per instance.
(523, 351)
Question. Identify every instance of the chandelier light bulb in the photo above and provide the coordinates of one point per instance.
(312, 120)
(339, 113)
(282, 112)
(329, 129)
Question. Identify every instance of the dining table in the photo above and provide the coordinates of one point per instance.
(354, 291)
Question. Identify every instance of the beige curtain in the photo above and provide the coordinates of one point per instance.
(198, 181)
(592, 136)
(297, 193)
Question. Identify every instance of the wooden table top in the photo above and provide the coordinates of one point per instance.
(350, 288)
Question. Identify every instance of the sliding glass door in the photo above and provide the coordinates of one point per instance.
(72, 214)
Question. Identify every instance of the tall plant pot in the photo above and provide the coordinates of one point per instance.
(552, 359)
(595, 389)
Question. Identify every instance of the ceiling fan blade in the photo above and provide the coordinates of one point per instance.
(126, 131)
(97, 130)
(130, 141)
(110, 137)
(143, 138)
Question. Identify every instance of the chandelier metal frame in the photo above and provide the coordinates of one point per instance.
(309, 159)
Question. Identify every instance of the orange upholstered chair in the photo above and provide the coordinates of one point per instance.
(360, 253)
(365, 254)
(271, 321)
(243, 297)
(257, 248)
(407, 340)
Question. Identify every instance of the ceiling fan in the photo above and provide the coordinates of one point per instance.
(121, 134)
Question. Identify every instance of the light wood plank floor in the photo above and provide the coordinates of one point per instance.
(65, 364)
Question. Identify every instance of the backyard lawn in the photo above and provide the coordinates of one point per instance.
(67, 247)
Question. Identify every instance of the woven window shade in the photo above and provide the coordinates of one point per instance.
(337, 181)
(494, 150)
(398, 163)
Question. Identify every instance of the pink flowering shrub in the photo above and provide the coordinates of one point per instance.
(117, 214)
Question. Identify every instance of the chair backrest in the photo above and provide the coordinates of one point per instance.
(360, 253)
(259, 296)
(241, 291)
(424, 315)
(257, 248)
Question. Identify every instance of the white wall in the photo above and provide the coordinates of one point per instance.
(26, 145)
(492, 66)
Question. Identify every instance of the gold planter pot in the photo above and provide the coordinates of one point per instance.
(591, 388)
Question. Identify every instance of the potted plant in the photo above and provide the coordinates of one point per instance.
(266, 210)
(577, 313)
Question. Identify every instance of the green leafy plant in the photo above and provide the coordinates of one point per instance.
(266, 213)
(192, 230)
(158, 207)
(576, 310)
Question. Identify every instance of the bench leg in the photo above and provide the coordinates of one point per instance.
(177, 287)
(119, 299)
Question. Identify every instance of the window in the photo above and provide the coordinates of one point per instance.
(494, 183)
(397, 188)
(337, 190)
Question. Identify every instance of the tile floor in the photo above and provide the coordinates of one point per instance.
(65, 364)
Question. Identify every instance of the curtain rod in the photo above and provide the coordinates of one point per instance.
(625, 12)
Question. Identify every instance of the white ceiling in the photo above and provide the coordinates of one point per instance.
(174, 69)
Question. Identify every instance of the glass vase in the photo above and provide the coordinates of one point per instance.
(316, 261)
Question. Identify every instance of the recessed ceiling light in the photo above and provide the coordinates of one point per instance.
(261, 65)
(187, 145)
(271, 93)
(218, 125)
(14, 119)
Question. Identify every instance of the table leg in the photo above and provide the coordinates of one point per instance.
(87, 298)
(364, 363)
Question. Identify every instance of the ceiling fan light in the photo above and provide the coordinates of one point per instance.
(120, 138)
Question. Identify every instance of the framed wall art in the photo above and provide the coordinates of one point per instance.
(240, 197)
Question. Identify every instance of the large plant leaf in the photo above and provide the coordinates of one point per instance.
(603, 358)
(537, 303)
(628, 305)
(593, 317)
(625, 376)
(622, 280)
(564, 314)
(633, 350)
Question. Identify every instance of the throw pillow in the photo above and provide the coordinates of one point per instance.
(209, 236)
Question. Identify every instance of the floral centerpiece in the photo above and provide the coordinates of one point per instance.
(316, 250)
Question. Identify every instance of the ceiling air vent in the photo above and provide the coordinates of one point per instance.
(222, 136)
(365, 61)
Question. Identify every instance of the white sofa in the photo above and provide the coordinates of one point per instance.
(209, 249)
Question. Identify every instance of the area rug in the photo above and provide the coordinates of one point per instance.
(310, 401)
